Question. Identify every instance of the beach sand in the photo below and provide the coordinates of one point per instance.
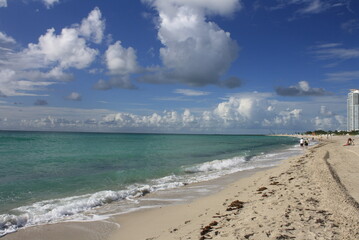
(312, 196)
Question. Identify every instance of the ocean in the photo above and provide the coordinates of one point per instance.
(50, 177)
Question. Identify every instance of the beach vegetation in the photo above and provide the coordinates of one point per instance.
(336, 132)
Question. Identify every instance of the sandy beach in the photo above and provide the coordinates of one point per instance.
(312, 196)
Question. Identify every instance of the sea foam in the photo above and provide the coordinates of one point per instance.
(216, 165)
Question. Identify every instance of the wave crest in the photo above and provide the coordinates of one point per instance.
(216, 165)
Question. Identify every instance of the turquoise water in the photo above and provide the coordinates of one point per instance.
(47, 176)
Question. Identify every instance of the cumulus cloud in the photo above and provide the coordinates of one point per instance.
(74, 96)
(235, 114)
(3, 3)
(121, 63)
(67, 49)
(301, 89)
(195, 51)
(120, 60)
(38, 65)
(93, 26)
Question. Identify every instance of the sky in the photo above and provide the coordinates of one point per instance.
(177, 66)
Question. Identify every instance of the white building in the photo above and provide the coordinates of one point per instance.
(353, 110)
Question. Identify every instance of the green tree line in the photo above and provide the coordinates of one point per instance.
(336, 132)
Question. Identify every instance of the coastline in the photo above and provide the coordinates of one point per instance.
(311, 196)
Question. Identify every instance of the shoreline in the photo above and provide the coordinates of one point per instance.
(299, 198)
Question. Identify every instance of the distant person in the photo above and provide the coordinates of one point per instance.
(301, 142)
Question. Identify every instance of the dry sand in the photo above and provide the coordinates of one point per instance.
(313, 196)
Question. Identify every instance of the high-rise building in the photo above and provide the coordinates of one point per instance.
(353, 110)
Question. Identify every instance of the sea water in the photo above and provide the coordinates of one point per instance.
(49, 177)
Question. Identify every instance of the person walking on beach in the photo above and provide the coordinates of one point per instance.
(301, 142)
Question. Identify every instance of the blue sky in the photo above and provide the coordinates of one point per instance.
(181, 66)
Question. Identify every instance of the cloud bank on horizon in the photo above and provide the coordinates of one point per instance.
(250, 112)
(214, 76)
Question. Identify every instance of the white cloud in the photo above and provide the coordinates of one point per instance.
(342, 76)
(93, 26)
(315, 6)
(235, 114)
(288, 117)
(324, 123)
(190, 92)
(50, 3)
(334, 51)
(5, 38)
(3, 3)
(11, 86)
(327, 119)
(351, 26)
(67, 49)
(328, 45)
(58, 74)
(223, 7)
(35, 75)
(36, 66)
(341, 53)
(235, 109)
(310, 6)
(50, 118)
(120, 60)
(324, 111)
(250, 112)
(196, 52)
(245, 113)
(74, 96)
(47, 3)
